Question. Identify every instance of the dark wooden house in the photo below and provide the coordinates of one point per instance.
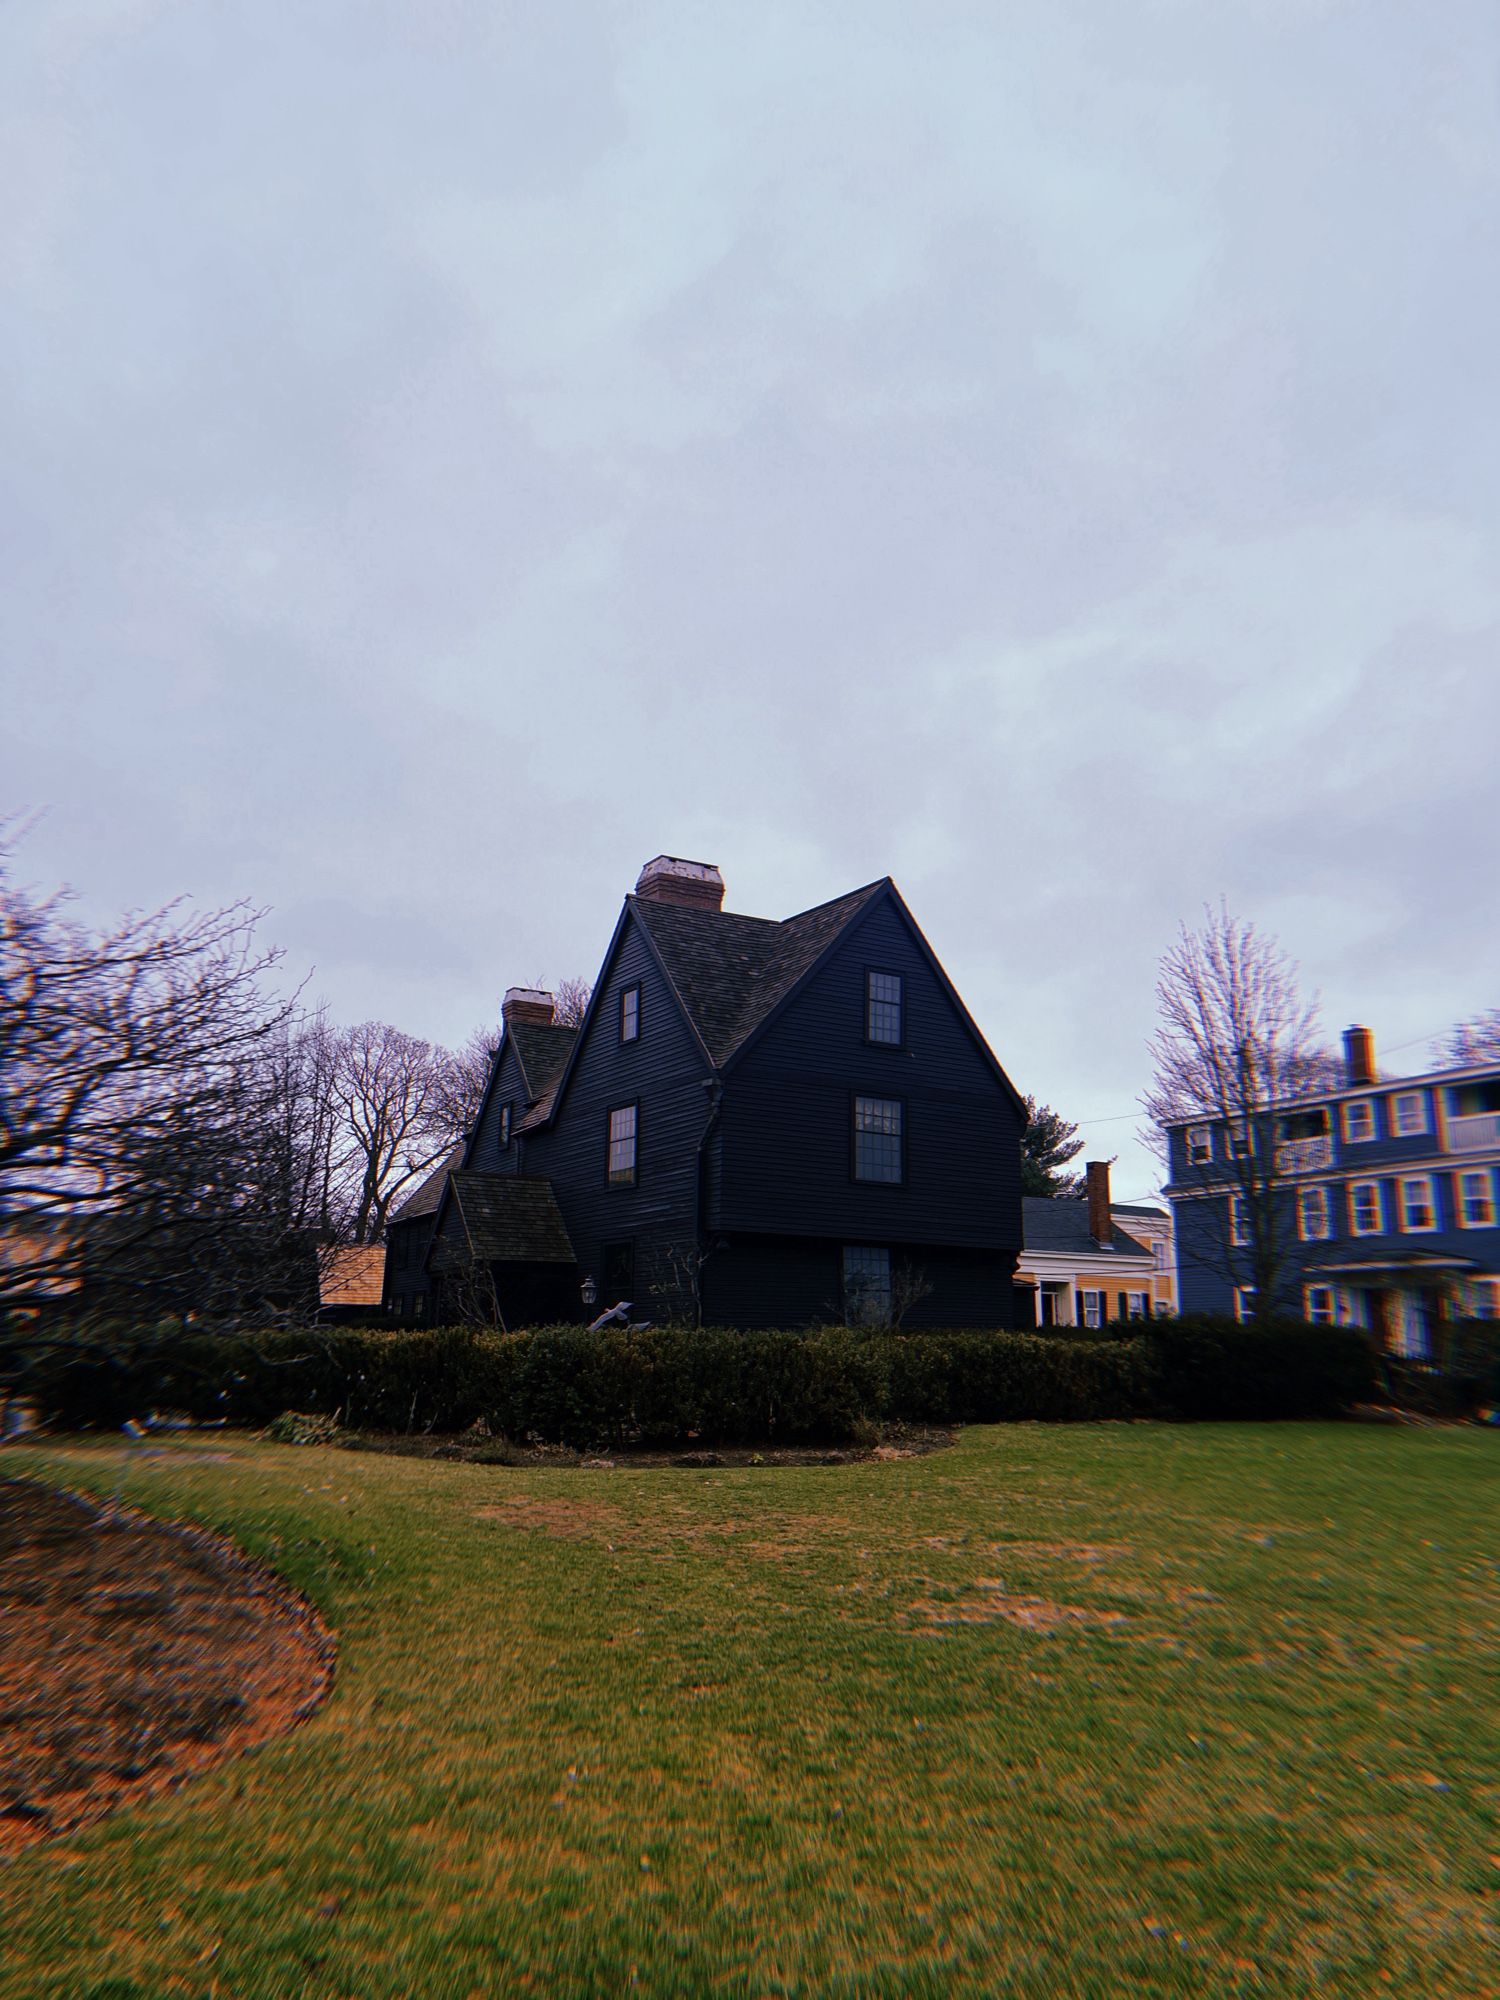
(757, 1123)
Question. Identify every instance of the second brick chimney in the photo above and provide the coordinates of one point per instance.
(526, 1003)
(1101, 1223)
(697, 885)
(1359, 1057)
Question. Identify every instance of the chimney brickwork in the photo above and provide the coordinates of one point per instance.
(696, 885)
(1359, 1057)
(527, 1003)
(1101, 1223)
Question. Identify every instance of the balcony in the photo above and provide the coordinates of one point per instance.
(1304, 1156)
(1481, 1129)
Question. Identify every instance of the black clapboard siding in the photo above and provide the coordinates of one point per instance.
(788, 1113)
(485, 1153)
(791, 1281)
(664, 1071)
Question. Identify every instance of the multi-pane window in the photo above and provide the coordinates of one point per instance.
(1241, 1141)
(504, 1132)
(1136, 1304)
(630, 1014)
(622, 1131)
(1200, 1145)
(1417, 1211)
(1161, 1254)
(1359, 1120)
(1486, 1298)
(1320, 1305)
(1476, 1199)
(1239, 1222)
(1366, 1209)
(1409, 1113)
(1244, 1302)
(883, 1007)
(1091, 1305)
(877, 1138)
(867, 1283)
(1312, 1214)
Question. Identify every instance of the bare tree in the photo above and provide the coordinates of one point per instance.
(128, 1058)
(395, 1100)
(570, 999)
(467, 1076)
(1236, 1044)
(1474, 1041)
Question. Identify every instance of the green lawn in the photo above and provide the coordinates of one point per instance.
(1107, 1710)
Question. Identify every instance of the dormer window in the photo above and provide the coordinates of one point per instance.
(630, 1014)
(883, 1008)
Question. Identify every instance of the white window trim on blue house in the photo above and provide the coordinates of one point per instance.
(1375, 1228)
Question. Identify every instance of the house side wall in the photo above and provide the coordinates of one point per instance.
(664, 1073)
(787, 1166)
(485, 1153)
(798, 1280)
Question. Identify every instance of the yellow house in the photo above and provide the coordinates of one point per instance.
(1080, 1266)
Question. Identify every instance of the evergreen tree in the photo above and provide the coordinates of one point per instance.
(1047, 1144)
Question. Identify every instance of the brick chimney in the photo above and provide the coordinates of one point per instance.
(696, 885)
(1359, 1057)
(526, 1003)
(1101, 1223)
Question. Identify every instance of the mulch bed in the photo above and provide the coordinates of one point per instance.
(134, 1655)
(475, 1448)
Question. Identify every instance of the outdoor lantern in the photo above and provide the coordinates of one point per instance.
(589, 1291)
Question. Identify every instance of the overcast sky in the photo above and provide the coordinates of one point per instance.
(1042, 450)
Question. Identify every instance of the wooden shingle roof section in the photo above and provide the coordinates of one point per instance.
(542, 1052)
(425, 1199)
(729, 971)
(511, 1218)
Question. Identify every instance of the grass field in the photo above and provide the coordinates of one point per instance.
(1073, 1711)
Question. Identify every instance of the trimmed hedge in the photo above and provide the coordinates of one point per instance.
(671, 1385)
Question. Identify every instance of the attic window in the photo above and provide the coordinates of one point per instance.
(630, 1014)
(883, 1008)
(504, 1133)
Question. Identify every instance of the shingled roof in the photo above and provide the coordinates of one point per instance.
(1062, 1226)
(511, 1218)
(730, 971)
(543, 1053)
(426, 1198)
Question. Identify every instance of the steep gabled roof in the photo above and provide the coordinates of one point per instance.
(542, 1053)
(729, 971)
(510, 1218)
(427, 1196)
(1062, 1227)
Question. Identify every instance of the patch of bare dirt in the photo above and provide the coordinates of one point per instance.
(132, 1655)
(986, 1601)
(897, 1442)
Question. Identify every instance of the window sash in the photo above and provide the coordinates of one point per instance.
(1200, 1145)
(1312, 1214)
(1408, 1114)
(1476, 1199)
(1320, 1304)
(622, 1146)
(883, 998)
(1093, 1308)
(867, 1282)
(1418, 1213)
(1366, 1209)
(1239, 1222)
(878, 1139)
(1359, 1121)
(630, 1014)
(505, 1116)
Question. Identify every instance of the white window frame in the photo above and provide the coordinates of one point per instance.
(1485, 1177)
(1200, 1145)
(1244, 1302)
(1486, 1295)
(1093, 1307)
(1242, 1140)
(1239, 1223)
(1408, 1227)
(1367, 1106)
(1356, 1189)
(1400, 1129)
(1161, 1252)
(1325, 1210)
(1137, 1305)
(1320, 1315)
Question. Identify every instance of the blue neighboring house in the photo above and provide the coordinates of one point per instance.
(1391, 1192)
(756, 1123)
